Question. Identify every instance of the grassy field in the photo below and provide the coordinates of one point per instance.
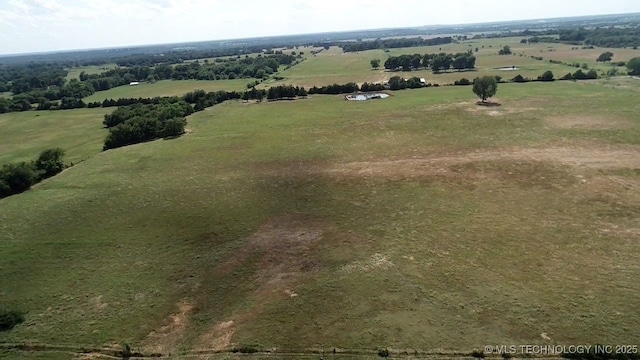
(333, 66)
(74, 73)
(419, 222)
(168, 88)
(24, 135)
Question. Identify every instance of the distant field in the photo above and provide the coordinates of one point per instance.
(168, 88)
(24, 135)
(334, 66)
(419, 222)
(74, 73)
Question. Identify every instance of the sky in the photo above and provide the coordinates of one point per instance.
(49, 25)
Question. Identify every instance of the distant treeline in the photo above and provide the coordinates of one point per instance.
(603, 37)
(393, 43)
(45, 84)
(18, 177)
(437, 62)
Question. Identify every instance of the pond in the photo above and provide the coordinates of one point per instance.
(364, 97)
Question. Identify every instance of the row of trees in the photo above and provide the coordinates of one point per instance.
(615, 37)
(393, 43)
(437, 62)
(18, 177)
(45, 84)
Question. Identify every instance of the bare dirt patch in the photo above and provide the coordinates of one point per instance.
(375, 262)
(219, 337)
(283, 249)
(167, 338)
(592, 158)
(587, 122)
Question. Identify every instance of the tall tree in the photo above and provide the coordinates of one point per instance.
(375, 63)
(485, 87)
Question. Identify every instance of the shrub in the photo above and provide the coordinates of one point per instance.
(383, 353)
(16, 178)
(49, 163)
(547, 76)
(519, 79)
(478, 354)
(9, 319)
(462, 82)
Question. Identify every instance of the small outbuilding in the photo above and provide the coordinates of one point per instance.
(134, 83)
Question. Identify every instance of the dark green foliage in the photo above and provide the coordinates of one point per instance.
(9, 319)
(546, 76)
(375, 63)
(616, 37)
(393, 43)
(283, 92)
(371, 87)
(398, 83)
(16, 178)
(463, 82)
(335, 89)
(478, 354)
(485, 87)
(506, 50)
(438, 62)
(139, 123)
(49, 163)
(633, 66)
(519, 79)
(605, 56)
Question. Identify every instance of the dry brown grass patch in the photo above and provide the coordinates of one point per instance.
(167, 338)
(588, 122)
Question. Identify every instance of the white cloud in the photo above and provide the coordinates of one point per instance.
(41, 25)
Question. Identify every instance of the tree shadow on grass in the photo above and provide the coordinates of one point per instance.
(488, 104)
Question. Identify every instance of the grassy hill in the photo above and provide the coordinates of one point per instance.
(419, 222)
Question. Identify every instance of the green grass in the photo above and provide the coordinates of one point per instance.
(74, 73)
(24, 135)
(304, 196)
(168, 88)
(333, 66)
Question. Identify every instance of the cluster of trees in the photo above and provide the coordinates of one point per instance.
(18, 177)
(139, 123)
(437, 62)
(393, 43)
(335, 89)
(506, 50)
(258, 67)
(45, 84)
(633, 66)
(580, 75)
(399, 83)
(604, 37)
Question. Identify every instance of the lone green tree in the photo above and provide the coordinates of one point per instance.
(634, 66)
(375, 63)
(485, 87)
(506, 50)
(605, 56)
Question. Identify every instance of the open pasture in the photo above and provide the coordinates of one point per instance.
(25, 134)
(334, 66)
(418, 222)
(74, 73)
(168, 88)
